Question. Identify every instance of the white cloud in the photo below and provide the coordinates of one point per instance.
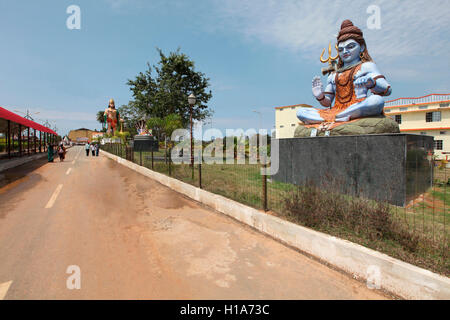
(407, 27)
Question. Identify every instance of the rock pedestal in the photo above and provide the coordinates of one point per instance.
(369, 125)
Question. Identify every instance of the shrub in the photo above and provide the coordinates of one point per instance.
(327, 210)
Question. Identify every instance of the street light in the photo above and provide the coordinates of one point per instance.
(260, 118)
(191, 100)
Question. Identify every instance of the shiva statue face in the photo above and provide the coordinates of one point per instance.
(349, 51)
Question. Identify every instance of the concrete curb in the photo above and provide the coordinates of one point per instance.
(378, 269)
(20, 161)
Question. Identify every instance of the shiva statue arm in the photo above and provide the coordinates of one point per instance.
(326, 97)
(372, 79)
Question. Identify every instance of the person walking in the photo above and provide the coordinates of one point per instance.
(97, 149)
(93, 149)
(50, 152)
(61, 152)
(87, 148)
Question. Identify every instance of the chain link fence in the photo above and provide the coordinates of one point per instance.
(416, 233)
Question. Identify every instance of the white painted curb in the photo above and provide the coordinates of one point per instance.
(395, 276)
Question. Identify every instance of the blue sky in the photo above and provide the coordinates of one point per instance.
(259, 54)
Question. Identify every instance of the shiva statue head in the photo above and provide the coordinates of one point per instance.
(352, 47)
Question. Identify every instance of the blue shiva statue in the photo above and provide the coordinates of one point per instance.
(356, 73)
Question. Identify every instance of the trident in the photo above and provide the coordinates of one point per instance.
(332, 64)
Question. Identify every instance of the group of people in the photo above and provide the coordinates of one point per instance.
(92, 147)
(52, 149)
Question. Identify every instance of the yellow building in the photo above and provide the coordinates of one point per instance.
(83, 135)
(286, 120)
(427, 115)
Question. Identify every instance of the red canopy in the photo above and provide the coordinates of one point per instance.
(8, 115)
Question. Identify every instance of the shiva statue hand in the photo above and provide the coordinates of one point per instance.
(317, 88)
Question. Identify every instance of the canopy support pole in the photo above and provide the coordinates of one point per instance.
(9, 139)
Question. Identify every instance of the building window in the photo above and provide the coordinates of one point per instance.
(433, 116)
(423, 133)
(281, 126)
(438, 144)
(292, 107)
(423, 107)
(387, 110)
(293, 125)
(398, 118)
(403, 109)
(444, 105)
(280, 109)
(443, 132)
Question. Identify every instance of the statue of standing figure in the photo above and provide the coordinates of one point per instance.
(112, 117)
(356, 74)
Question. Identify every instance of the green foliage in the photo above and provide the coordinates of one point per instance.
(123, 136)
(156, 124)
(167, 91)
(131, 114)
(164, 127)
(101, 117)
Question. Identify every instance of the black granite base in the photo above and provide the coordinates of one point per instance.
(145, 143)
(386, 167)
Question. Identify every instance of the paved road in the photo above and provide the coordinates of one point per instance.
(133, 238)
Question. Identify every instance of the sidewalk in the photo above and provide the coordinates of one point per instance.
(15, 162)
(12, 163)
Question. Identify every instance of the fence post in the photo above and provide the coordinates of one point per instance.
(152, 158)
(200, 174)
(200, 170)
(264, 188)
(170, 166)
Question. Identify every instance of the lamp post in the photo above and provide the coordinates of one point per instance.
(192, 100)
(258, 136)
(260, 118)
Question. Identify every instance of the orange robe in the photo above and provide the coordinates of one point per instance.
(345, 96)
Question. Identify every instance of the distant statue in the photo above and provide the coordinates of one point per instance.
(112, 117)
(141, 127)
(348, 83)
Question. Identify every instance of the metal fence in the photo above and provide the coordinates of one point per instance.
(416, 233)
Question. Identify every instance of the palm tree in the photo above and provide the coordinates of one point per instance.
(101, 119)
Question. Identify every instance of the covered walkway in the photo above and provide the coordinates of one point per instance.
(20, 136)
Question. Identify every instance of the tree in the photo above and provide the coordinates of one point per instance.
(131, 115)
(157, 126)
(164, 127)
(167, 92)
(101, 117)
